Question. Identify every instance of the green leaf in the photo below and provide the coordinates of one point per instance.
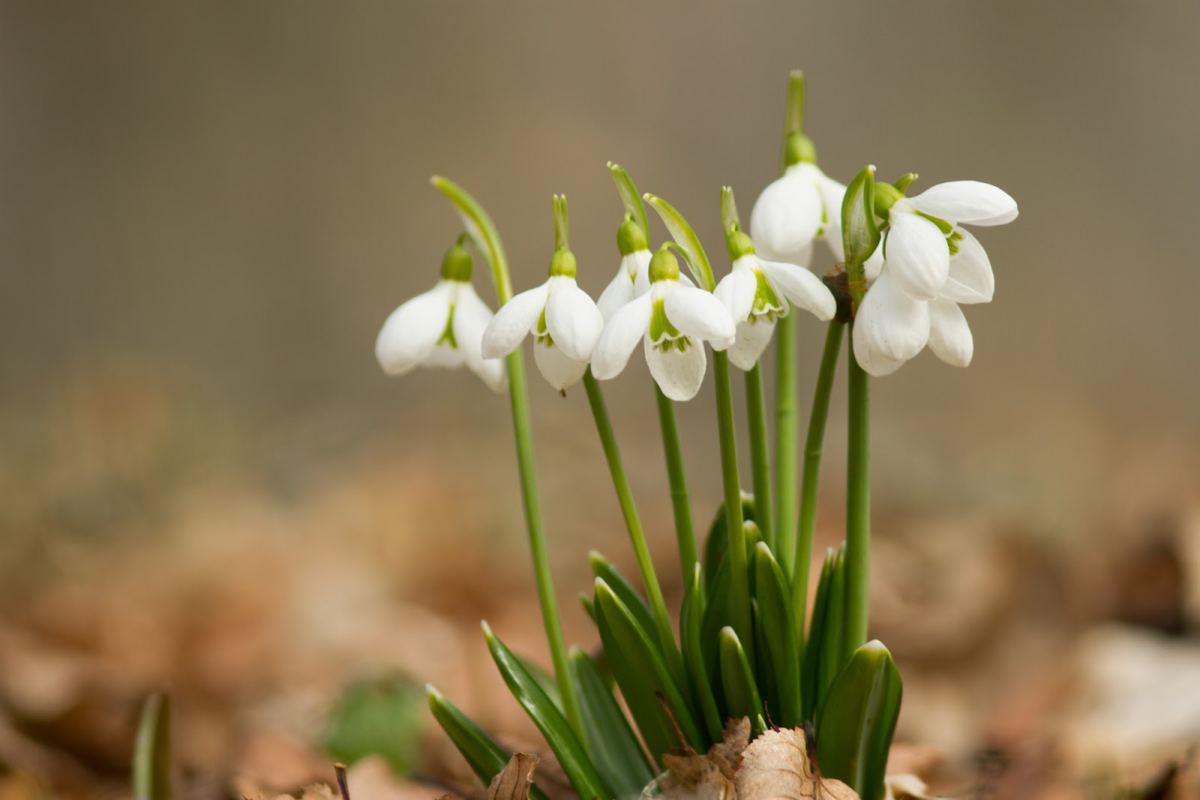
(630, 197)
(779, 653)
(822, 652)
(718, 538)
(719, 612)
(571, 754)
(738, 679)
(152, 750)
(644, 678)
(485, 757)
(614, 748)
(857, 719)
(379, 716)
(860, 232)
(482, 231)
(691, 617)
(685, 236)
(638, 607)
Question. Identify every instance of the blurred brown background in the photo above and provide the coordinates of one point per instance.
(207, 210)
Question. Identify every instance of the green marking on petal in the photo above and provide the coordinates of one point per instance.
(542, 334)
(663, 334)
(447, 336)
(766, 300)
(945, 227)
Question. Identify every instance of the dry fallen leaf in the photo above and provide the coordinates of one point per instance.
(776, 766)
(906, 786)
(513, 782)
(691, 776)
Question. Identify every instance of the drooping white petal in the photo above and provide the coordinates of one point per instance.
(736, 292)
(471, 318)
(874, 264)
(751, 340)
(832, 194)
(890, 323)
(969, 202)
(618, 292)
(699, 314)
(679, 375)
(559, 369)
(411, 332)
(802, 288)
(950, 337)
(787, 215)
(641, 283)
(514, 321)
(620, 336)
(917, 255)
(874, 363)
(971, 279)
(572, 319)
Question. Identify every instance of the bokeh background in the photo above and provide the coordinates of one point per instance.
(207, 210)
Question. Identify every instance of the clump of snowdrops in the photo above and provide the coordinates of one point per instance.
(744, 644)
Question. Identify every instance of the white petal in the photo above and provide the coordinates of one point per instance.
(641, 283)
(787, 215)
(949, 335)
(559, 369)
(573, 320)
(890, 323)
(832, 194)
(874, 264)
(618, 292)
(619, 337)
(802, 288)
(411, 332)
(917, 255)
(679, 375)
(471, 318)
(873, 362)
(970, 202)
(971, 279)
(514, 321)
(700, 315)
(736, 292)
(752, 339)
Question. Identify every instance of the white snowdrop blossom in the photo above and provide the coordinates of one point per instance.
(796, 209)
(932, 265)
(562, 319)
(441, 328)
(673, 320)
(757, 292)
(633, 276)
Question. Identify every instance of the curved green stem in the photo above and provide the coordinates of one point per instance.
(760, 454)
(633, 522)
(813, 443)
(858, 509)
(487, 238)
(681, 507)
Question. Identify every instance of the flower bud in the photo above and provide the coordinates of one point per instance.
(630, 237)
(664, 266)
(799, 150)
(562, 263)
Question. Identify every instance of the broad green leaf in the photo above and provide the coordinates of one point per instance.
(485, 757)
(718, 538)
(857, 719)
(691, 617)
(860, 231)
(152, 750)
(779, 655)
(630, 197)
(738, 679)
(380, 716)
(719, 612)
(822, 651)
(644, 678)
(571, 754)
(685, 236)
(614, 747)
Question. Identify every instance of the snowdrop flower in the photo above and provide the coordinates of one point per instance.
(757, 292)
(673, 320)
(633, 276)
(442, 327)
(794, 210)
(562, 319)
(915, 299)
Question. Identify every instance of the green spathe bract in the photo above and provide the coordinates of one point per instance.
(152, 750)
